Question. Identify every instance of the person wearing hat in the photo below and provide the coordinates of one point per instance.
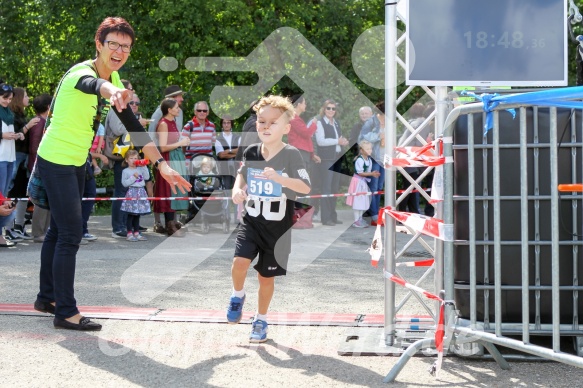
(172, 91)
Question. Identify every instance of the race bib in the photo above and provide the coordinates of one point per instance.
(260, 186)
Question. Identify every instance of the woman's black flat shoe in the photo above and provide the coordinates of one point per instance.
(44, 307)
(84, 324)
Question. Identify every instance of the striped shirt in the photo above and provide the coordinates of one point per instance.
(202, 138)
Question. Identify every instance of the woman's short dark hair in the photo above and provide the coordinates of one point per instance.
(42, 103)
(167, 104)
(114, 24)
(226, 118)
(6, 90)
(297, 99)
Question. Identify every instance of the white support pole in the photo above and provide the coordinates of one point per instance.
(390, 173)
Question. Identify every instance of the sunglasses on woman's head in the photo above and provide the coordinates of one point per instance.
(6, 88)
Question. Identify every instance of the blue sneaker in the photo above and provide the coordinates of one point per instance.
(258, 331)
(235, 310)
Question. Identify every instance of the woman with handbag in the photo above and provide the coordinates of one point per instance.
(81, 97)
(170, 145)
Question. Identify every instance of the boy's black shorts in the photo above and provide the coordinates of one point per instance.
(249, 243)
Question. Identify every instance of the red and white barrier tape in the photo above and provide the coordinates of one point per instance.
(215, 198)
(428, 226)
(418, 156)
(440, 329)
(419, 263)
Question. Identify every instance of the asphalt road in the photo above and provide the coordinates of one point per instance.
(330, 273)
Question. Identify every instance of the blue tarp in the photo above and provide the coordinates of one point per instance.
(560, 98)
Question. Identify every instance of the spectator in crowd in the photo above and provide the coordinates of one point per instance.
(175, 92)
(248, 133)
(172, 91)
(315, 173)
(135, 105)
(7, 139)
(90, 191)
(169, 142)
(113, 129)
(41, 217)
(364, 113)
(17, 186)
(83, 94)
(134, 178)
(18, 105)
(97, 148)
(330, 142)
(358, 184)
(6, 219)
(200, 131)
(300, 136)
(373, 131)
(226, 147)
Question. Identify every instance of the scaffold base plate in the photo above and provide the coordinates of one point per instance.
(370, 341)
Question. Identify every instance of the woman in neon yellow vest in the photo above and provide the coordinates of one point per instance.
(83, 96)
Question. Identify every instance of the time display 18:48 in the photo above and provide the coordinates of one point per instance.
(512, 40)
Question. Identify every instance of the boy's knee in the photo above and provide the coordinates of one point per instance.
(241, 263)
(265, 281)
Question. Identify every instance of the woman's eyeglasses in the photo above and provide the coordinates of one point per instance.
(126, 48)
(134, 103)
(330, 108)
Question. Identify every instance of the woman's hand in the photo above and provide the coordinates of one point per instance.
(34, 121)
(174, 179)
(6, 209)
(10, 135)
(120, 99)
(184, 141)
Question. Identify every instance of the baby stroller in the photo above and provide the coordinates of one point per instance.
(207, 183)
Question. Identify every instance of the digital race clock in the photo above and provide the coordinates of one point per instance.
(487, 43)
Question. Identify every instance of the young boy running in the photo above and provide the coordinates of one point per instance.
(274, 172)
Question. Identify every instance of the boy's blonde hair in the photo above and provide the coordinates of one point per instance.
(277, 102)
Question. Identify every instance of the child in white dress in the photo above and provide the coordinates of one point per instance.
(358, 183)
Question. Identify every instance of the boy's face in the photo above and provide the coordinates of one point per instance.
(271, 124)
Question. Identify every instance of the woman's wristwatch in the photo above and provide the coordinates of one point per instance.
(157, 162)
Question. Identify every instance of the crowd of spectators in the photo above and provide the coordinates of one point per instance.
(320, 141)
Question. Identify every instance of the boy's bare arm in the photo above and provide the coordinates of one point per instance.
(238, 194)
